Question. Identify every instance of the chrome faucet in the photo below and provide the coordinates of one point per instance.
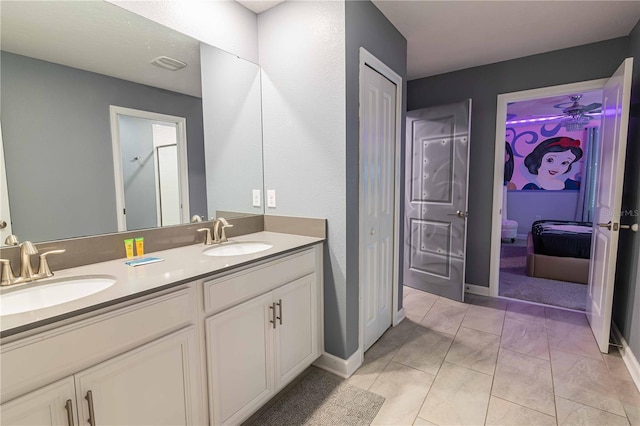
(219, 235)
(27, 249)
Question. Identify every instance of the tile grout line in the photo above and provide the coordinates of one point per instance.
(553, 381)
(495, 370)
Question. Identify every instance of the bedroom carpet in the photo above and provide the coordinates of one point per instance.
(515, 283)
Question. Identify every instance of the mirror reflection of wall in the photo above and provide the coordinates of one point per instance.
(63, 65)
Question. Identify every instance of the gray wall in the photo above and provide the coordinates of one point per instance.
(525, 207)
(302, 55)
(626, 298)
(57, 141)
(483, 84)
(366, 27)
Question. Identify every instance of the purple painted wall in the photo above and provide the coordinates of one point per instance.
(525, 207)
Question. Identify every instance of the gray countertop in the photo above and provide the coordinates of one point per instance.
(179, 265)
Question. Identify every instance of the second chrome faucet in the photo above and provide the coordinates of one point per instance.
(219, 235)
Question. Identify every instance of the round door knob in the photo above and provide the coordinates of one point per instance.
(3, 224)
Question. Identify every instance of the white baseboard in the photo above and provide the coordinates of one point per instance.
(476, 289)
(399, 316)
(339, 366)
(628, 357)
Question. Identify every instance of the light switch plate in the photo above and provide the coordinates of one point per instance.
(271, 198)
(256, 198)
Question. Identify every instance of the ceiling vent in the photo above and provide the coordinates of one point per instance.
(168, 63)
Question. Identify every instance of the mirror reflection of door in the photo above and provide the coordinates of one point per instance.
(151, 188)
(5, 213)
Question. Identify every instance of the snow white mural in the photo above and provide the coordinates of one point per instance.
(552, 164)
(551, 161)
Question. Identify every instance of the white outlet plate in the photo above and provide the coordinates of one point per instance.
(256, 198)
(271, 198)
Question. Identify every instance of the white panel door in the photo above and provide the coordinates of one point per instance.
(5, 212)
(297, 328)
(436, 177)
(151, 385)
(240, 359)
(606, 224)
(51, 405)
(377, 192)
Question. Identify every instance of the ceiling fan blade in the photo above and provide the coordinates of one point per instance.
(591, 107)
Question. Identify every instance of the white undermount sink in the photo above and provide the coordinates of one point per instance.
(237, 249)
(36, 295)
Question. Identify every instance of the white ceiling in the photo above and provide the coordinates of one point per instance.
(442, 36)
(445, 36)
(100, 37)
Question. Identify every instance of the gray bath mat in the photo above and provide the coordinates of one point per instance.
(321, 398)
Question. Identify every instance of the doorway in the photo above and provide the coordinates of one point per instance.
(150, 169)
(379, 199)
(550, 170)
(608, 195)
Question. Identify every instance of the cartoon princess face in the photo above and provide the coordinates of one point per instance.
(554, 164)
(550, 161)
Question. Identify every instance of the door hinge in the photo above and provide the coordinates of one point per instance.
(124, 211)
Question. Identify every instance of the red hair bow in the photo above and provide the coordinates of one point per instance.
(566, 143)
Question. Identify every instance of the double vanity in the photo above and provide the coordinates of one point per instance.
(205, 336)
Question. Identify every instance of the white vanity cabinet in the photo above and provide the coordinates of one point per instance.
(148, 385)
(51, 405)
(138, 365)
(259, 345)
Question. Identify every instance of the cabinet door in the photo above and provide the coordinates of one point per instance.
(51, 405)
(150, 385)
(240, 357)
(297, 328)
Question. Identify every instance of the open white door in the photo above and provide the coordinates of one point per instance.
(436, 180)
(606, 225)
(5, 212)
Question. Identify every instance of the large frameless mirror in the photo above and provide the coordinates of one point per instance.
(109, 123)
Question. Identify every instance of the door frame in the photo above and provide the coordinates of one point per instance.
(498, 169)
(181, 140)
(367, 59)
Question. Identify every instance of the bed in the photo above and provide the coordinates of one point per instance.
(559, 250)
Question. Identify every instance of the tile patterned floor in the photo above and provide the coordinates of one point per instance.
(495, 362)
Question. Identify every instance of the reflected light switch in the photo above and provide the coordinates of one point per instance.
(256, 198)
(271, 198)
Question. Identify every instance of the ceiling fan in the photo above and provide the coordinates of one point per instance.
(576, 114)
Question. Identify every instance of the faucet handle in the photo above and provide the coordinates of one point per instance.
(8, 276)
(225, 224)
(207, 237)
(11, 240)
(43, 269)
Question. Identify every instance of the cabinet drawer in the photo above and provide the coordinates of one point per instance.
(46, 357)
(227, 291)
